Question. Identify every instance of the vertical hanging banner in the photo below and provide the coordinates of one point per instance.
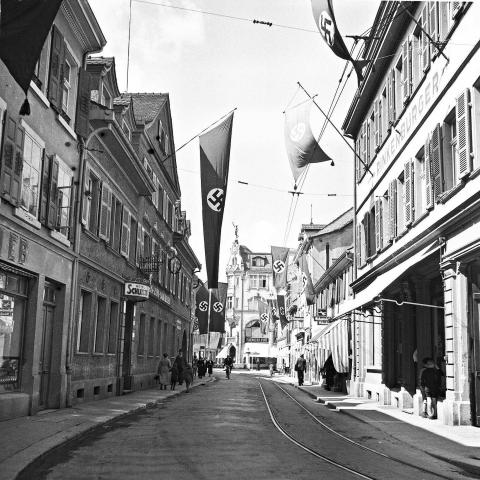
(201, 310)
(307, 285)
(24, 26)
(214, 162)
(217, 314)
(302, 147)
(280, 267)
(263, 313)
(281, 311)
(327, 26)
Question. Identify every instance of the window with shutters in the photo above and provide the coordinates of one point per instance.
(433, 27)
(416, 52)
(400, 204)
(147, 244)
(371, 245)
(64, 198)
(40, 73)
(371, 137)
(92, 201)
(409, 192)
(105, 212)
(126, 232)
(398, 86)
(385, 220)
(155, 192)
(384, 126)
(475, 124)
(69, 87)
(115, 224)
(170, 213)
(160, 198)
(406, 70)
(33, 147)
(424, 41)
(420, 183)
(132, 250)
(449, 151)
(379, 224)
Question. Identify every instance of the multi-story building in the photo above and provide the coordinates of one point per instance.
(416, 124)
(249, 281)
(134, 278)
(39, 174)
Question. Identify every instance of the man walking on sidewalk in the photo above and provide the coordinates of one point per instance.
(300, 368)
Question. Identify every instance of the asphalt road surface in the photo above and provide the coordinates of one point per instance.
(252, 428)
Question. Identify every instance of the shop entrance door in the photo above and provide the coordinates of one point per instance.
(127, 346)
(46, 353)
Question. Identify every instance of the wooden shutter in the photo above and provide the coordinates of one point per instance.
(125, 239)
(83, 103)
(55, 79)
(464, 135)
(424, 40)
(53, 194)
(433, 27)
(139, 250)
(392, 209)
(45, 188)
(436, 162)
(165, 205)
(105, 212)
(366, 246)
(443, 22)
(71, 218)
(86, 199)
(12, 160)
(405, 71)
(376, 122)
(456, 9)
(378, 224)
(357, 157)
(428, 176)
(407, 175)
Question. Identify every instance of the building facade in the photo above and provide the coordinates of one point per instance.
(416, 124)
(39, 172)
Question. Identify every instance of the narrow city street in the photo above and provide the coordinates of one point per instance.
(252, 427)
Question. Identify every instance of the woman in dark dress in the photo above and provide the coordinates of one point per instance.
(173, 377)
(209, 365)
(201, 368)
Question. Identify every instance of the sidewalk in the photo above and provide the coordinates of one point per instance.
(24, 439)
(363, 409)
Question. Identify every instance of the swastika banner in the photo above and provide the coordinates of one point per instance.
(302, 147)
(307, 284)
(280, 267)
(327, 26)
(214, 163)
(281, 311)
(201, 310)
(217, 314)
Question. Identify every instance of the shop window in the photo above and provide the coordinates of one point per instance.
(151, 337)
(12, 314)
(141, 335)
(113, 328)
(100, 325)
(83, 325)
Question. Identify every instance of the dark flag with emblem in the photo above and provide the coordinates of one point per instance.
(327, 26)
(281, 310)
(214, 162)
(307, 284)
(201, 310)
(217, 313)
(24, 26)
(279, 267)
(263, 313)
(302, 147)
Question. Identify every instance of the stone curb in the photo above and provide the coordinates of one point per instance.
(12, 467)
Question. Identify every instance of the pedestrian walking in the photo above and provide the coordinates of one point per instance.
(430, 384)
(300, 368)
(194, 365)
(228, 366)
(270, 368)
(180, 363)
(163, 371)
(209, 365)
(201, 368)
(188, 376)
(258, 364)
(173, 377)
(328, 372)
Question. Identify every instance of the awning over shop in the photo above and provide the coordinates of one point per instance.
(333, 340)
(368, 294)
(223, 353)
(260, 350)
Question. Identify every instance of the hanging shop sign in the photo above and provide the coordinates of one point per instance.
(136, 292)
(174, 265)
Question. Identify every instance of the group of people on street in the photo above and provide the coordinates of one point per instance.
(180, 371)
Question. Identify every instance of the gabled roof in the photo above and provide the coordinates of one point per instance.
(340, 222)
(100, 66)
(146, 105)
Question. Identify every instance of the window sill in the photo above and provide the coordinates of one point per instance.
(89, 234)
(60, 237)
(444, 197)
(39, 94)
(474, 173)
(27, 217)
(66, 126)
(420, 218)
(112, 251)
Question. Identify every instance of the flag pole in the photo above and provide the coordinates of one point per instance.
(207, 347)
(335, 127)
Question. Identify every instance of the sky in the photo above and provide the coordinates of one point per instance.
(210, 64)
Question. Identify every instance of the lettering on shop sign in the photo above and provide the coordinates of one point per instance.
(256, 340)
(137, 290)
(415, 111)
(157, 293)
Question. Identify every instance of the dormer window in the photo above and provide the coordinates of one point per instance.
(258, 262)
